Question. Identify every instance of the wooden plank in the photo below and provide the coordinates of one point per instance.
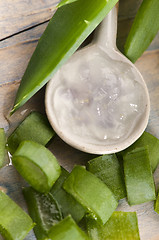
(16, 52)
(18, 15)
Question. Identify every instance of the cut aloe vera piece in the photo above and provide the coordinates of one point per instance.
(15, 224)
(67, 229)
(69, 206)
(37, 165)
(91, 193)
(35, 127)
(108, 169)
(44, 211)
(152, 142)
(2, 146)
(138, 177)
(120, 226)
(156, 205)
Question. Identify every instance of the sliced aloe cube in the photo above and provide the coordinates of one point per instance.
(35, 127)
(69, 206)
(15, 224)
(37, 165)
(2, 146)
(138, 177)
(44, 211)
(152, 142)
(108, 169)
(91, 193)
(67, 229)
(120, 226)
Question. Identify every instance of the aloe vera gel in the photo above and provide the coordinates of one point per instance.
(97, 100)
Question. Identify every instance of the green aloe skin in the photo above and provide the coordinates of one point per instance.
(91, 193)
(108, 169)
(37, 165)
(64, 2)
(15, 224)
(120, 226)
(151, 142)
(68, 205)
(156, 205)
(44, 211)
(67, 229)
(35, 127)
(138, 177)
(2, 146)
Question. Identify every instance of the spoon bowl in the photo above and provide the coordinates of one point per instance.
(98, 101)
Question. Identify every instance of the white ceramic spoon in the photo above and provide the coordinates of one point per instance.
(98, 101)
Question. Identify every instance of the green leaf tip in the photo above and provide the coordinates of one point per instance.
(143, 30)
(64, 34)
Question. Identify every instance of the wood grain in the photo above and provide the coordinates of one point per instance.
(18, 15)
(15, 53)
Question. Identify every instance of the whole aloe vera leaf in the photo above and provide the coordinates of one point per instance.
(143, 30)
(68, 28)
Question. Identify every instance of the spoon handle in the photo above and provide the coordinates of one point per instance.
(105, 35)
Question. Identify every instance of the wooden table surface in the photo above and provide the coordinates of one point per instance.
(22, 22)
